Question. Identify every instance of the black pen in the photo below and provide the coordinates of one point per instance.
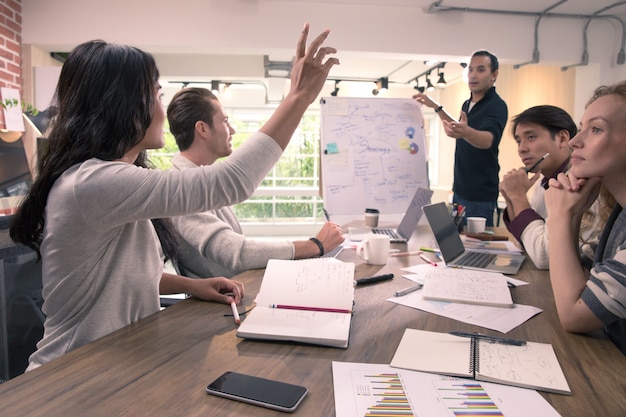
(536, 164)
(326, 214)
(370, 280)
(492, 339)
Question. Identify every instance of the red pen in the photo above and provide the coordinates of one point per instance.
(424, 257)
(327, 310)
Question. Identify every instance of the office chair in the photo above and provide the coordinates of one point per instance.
(21, 317)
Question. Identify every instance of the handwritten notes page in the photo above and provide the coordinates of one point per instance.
(467, 286)
(319, 283)
(532, 366)
(324, 283)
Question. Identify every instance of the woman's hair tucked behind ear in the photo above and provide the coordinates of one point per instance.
(104, 101)
(606, 202)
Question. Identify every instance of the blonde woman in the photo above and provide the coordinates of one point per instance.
(595, 299)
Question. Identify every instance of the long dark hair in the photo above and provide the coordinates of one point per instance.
(104, 101)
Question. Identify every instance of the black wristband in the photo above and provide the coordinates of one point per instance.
(319, 245)
(438, 109)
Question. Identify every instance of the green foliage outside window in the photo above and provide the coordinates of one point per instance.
(298, 167)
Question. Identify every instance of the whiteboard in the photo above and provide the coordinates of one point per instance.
(373, 154)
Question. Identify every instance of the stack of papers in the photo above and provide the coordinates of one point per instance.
(467, 286)
(502, 319)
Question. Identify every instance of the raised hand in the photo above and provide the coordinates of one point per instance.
(310, 68)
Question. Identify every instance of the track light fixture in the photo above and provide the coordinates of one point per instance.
(429, 86)
(417, 86)
(441, 82)
(215, 87)
(336, 90)
(381, 84)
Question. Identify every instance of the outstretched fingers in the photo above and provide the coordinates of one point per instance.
(301, 45)
(315, 52)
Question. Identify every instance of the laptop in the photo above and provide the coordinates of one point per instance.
(410, 219)
(455, 254)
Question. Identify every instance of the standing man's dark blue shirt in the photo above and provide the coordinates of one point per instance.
(476, 170)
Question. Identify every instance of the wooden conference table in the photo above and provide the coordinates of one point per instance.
(161, 365)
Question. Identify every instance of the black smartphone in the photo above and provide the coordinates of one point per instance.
(258, 391)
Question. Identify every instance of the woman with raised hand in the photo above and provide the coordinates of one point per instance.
(88, 214)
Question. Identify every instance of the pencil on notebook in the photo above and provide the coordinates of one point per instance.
(305, 308)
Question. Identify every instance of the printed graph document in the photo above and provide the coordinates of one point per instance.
(467, 286)
(494, 318)
(308, 301)
(367, 389)
(533, 365)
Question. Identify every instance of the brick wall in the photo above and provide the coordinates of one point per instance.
(10, 46)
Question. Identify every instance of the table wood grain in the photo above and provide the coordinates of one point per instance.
(161, 365)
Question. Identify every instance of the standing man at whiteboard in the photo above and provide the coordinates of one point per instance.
(478, 132)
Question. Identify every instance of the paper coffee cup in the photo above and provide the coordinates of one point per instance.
(476, 224)
(371, 217)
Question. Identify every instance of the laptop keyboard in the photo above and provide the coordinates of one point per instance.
(389, 232)
(476, 259)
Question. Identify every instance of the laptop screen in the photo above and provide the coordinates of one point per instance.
(414, 212)
(444, 230)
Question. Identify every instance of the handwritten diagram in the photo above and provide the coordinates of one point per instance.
(373, 154)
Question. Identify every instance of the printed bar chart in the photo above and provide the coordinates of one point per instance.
(467, 400)
(391, 398)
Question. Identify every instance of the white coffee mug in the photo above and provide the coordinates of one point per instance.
(476, 224)
(374, 249)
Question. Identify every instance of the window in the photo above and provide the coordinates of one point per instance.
(288, 198)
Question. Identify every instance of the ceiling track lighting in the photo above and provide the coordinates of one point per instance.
(441, 81)
(429, 86)
(381, 84)
(336, 90)
(418, 87)
(215, 87)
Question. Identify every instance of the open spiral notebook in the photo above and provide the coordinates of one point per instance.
(533, 365)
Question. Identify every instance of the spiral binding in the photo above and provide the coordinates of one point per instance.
(474, 365)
